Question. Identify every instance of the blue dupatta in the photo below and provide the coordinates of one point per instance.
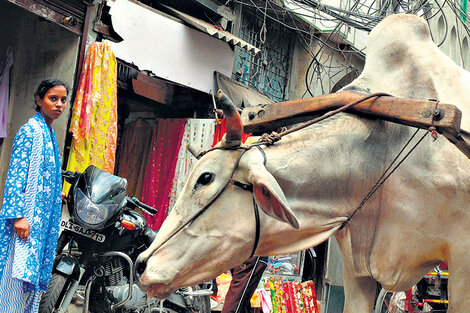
(32, 190)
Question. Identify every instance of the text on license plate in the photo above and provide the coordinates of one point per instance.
(82, 231)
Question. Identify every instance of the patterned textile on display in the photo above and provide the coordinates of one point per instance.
(32, 190)
(94, 113)
(292, 296)
(160, 170)
(133, 153)
(200, 134)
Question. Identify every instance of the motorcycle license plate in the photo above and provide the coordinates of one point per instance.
(82, 231)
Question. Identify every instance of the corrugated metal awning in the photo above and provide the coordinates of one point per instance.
(214, 31)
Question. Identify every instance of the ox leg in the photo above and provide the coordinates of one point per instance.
(359, 293)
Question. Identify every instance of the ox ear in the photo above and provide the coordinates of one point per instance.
(270, 197)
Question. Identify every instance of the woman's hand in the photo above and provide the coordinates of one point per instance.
(22, 228)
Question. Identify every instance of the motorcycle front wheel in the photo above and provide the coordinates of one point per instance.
(395, 302)
(55, 291)
(385, 303)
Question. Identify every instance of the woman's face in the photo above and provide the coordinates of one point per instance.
(53, 104)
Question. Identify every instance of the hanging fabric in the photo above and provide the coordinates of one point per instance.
(5, 66)
(221, 129)
(94, 114)
(135, 145)
(160, 169)
(198, 133)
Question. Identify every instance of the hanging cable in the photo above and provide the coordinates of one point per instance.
(263, 31)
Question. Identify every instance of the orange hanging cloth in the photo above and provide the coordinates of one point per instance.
(94, 112)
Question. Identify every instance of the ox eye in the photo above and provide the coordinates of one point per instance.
(204, 179)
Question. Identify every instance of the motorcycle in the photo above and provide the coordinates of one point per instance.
(97, 248)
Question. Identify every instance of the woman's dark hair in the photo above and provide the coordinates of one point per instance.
(44, 87)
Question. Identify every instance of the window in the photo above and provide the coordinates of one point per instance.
(268, 71)
(465, 54)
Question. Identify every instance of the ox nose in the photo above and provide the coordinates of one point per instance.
(139, 268)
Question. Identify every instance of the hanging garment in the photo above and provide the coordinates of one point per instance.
(32, 190)
(160, 170)
(135, 145)
(94, 112)
(5, 91)
(198, 133)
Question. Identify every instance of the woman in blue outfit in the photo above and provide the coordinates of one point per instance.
(30, 215)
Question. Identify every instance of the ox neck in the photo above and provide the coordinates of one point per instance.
(389, 171)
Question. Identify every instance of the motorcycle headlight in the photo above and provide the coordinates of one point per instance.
(89, 212)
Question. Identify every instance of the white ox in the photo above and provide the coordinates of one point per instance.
(317, 177)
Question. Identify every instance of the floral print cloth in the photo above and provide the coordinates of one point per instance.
(32, 190)
(94, 113)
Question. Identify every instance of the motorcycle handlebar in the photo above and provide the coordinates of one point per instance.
(137, 203)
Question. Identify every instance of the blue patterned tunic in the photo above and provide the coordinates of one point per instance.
(32, 190)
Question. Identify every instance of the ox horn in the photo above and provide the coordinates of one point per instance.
(233, 138)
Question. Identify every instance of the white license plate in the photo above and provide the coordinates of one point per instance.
(82, 231)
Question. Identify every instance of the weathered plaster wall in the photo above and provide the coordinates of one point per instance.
(300, 61)
(41, 49)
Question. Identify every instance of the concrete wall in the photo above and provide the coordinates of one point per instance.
(41, 49)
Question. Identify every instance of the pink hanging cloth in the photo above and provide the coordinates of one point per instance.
(160, 169)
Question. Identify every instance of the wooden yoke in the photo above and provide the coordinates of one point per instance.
(416, 113)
